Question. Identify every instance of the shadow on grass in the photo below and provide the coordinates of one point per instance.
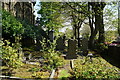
(110, 59)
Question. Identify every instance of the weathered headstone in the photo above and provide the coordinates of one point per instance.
(60, 44)
(84, 46)
(51, 35)
(71, 49)
(20, 53)
(28, 55)
(28, 42)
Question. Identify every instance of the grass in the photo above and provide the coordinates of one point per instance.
(98, 68)
(64, 73)
(28, 71)
(83, 68)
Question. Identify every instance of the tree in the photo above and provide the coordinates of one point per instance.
(51, 18)
(97, 9)
(119, 18)
(12, 28)
(74, 12)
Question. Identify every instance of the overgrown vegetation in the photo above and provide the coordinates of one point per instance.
(52, 57)
(10, 56)
(97, 69)
(55, 16)
(11, 25)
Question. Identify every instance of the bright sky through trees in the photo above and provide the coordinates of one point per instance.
(107, 19)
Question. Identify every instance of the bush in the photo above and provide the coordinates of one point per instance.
(52, 57)
(11, 25)
(101, 46)
(10, 56)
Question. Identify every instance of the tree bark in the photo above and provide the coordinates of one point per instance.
(100, 23)
(78, 36)
(119, 18)
(97, 8)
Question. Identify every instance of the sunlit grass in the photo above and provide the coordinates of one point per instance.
(98, 68)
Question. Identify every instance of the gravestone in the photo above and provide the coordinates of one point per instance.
(27, 42)
(27, 55)
(20, 53)
(51, 36)
(84, 46)
(71, 49)
(60, 44)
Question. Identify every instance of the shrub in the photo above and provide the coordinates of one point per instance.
(10, 56)
(52, 57)
(101, 46)
(11, 25)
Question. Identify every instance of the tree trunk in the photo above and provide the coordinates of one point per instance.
(93, 30)
(75, 31)
(78, 37)
(100, 23)
(101, 38)
(119, 18)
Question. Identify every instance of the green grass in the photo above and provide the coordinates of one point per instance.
(63, 73)
(28, 71)
(99, 68)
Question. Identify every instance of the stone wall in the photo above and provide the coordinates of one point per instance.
(114, 52)
(21, 10)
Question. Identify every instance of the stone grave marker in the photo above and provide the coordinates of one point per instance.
(28, 55)
(71, 49)
(84, 46)
(20, 53)
(51, 35)
(60, 44)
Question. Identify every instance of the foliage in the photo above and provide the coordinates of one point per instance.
(24, 72)
(16, 27)
(52, 57)
(31, 31)
(64, 74)
(101, 46)
(110, 36)
(50, 16)
(68, 33)
(34, 69)
(40, 75)
(110, 18)
(10, 56)
(99, 68)
(11, 25)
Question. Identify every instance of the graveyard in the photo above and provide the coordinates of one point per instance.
(60, 41)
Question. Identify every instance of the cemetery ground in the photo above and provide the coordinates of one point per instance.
(84, 68)
(33, 47)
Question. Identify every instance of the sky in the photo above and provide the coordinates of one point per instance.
(37, 8)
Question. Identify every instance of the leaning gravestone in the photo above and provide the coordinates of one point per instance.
(60, 44)
(84, 46)
(71, 49)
